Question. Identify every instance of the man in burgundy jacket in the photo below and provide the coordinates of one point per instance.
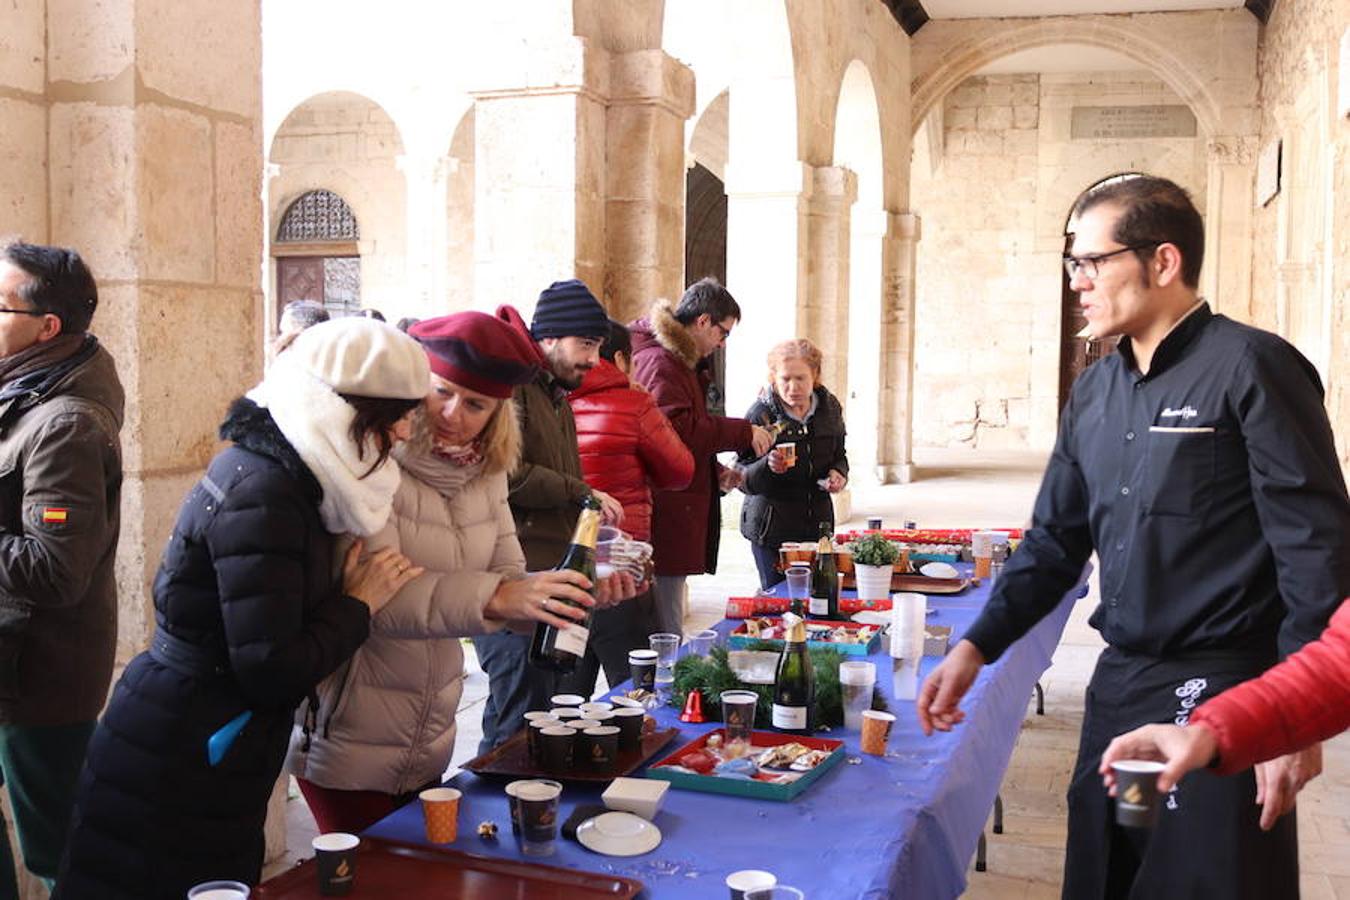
(670, 359)
(627, 447)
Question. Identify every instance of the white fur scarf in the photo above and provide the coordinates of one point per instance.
(318, 422)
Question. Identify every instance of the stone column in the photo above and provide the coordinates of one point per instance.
(426, 176)
(824, 316)
(866, 343)
(156, 163)
(767, 247)
(651, 95)
(895, 460)
(539, 159)
(1226, 279)
(155, 148)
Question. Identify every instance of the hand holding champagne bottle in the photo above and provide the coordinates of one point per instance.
(560, 648)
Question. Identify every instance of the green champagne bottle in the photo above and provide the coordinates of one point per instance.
(825, 582)
(794, 685)
(559, 649)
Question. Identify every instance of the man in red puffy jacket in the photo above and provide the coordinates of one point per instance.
(627, 448)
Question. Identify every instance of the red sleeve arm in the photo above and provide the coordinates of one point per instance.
(1301, 701)
(667, 461)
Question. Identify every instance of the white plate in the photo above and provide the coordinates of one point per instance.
(619, 834)
(938, 570)
(872, 617)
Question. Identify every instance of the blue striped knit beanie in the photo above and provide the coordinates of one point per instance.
(568, 309)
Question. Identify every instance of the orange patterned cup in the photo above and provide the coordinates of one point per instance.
(440, 806)
(876, 730)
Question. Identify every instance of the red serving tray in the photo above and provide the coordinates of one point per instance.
(390, 869)
(762, 790)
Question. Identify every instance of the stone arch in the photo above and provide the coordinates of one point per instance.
(708, 135)
(856, 354)
(965, 58)
(346, 143)
(459, 216)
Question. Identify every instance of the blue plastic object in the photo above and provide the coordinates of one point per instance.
(218, 744)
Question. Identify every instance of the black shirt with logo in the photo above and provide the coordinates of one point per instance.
(1210, 490)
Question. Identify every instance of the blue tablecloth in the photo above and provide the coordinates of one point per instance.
(904, 825)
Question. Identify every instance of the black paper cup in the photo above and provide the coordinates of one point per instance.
(567, 700)
(630, 723)
(514, 803)
(335, 854)
(555, 747)
(1137, 800)
(599, 746)
(538, 801)
(642, 666)
(532, 729)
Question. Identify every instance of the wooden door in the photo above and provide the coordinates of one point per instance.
(299, 278)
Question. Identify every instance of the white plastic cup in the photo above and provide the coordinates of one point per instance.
(908, 611)
(799, 582)
(856, 680)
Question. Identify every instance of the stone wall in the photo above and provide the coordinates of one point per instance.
(1301, 263)
(995, 194)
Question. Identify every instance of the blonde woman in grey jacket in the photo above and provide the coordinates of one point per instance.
(384, 726)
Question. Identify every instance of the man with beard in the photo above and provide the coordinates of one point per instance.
(547, 488)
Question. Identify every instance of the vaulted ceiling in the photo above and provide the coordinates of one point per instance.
(912, 14)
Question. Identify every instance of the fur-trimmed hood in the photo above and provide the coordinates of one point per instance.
(662, 328)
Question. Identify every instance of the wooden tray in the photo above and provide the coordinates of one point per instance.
(512, 759)
(739, 787)
(919, 583)
(387, 869)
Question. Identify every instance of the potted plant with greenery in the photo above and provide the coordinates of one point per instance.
(873, 561)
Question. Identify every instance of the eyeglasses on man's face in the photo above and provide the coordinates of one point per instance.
(22, 312)
(1087, 265)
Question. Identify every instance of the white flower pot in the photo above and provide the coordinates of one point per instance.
(874, 582)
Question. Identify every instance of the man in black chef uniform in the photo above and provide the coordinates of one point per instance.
(1199, 464)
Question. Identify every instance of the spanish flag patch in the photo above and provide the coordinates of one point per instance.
(54, 515)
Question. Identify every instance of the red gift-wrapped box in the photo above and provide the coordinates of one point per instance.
(746, 607)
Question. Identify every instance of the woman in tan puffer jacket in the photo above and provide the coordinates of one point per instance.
(384, 724)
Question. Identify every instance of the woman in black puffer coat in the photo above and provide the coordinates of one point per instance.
(250, 615)
(792, 502)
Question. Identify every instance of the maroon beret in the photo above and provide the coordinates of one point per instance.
(477, 351)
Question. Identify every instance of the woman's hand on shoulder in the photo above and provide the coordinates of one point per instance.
(374, 579)
(539, 597)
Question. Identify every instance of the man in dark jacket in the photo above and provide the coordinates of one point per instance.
(627, 448)
(60, 484)
(670, 359)
(546, 489)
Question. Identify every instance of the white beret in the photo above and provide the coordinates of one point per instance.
(363, 357)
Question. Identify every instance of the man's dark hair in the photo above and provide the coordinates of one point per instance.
(59, 283)
(1153, 211)
(707, 296)
(305, 313)
(405, 323)
(617, 341)
(370, 313)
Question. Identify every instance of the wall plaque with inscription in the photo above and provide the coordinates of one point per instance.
(1115, 123)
